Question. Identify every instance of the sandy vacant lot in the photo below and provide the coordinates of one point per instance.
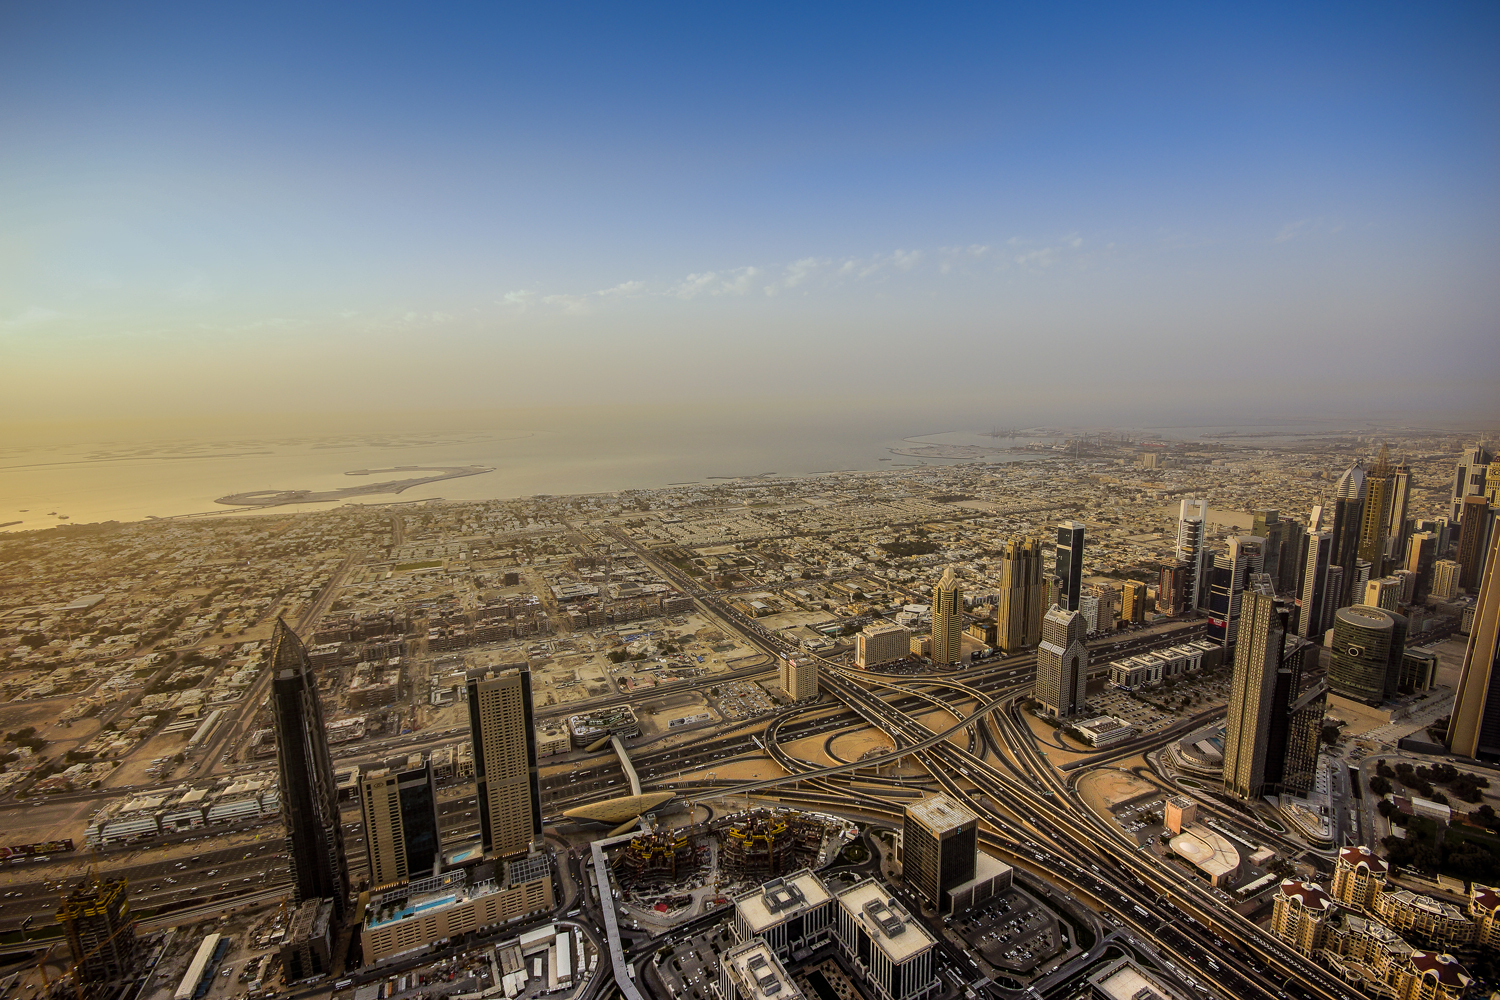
(1104, 788)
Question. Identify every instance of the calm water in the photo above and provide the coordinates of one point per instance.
(130, 479)
(125, 473)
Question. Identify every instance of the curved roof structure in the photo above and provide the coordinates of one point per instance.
(613, 812)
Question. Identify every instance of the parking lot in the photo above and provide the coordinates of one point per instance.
(1012, 931)
(690, 967)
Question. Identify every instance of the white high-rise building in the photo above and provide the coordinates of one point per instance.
(1468, 480)
(1192, 523)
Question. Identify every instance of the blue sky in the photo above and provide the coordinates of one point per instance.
(196, 199)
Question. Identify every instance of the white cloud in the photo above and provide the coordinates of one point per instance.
(1290, 231)
(1044, 257)
(690, 286)
(735, 282)
(803, 273)
(1307, 227)
(575, 304)
(906, 260)
(32, 316)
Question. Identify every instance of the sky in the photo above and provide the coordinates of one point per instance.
(1249, 209)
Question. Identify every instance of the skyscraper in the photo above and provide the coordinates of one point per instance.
(309, 793)
(1473, 540)
(1171, 585)
(939, 841)
(1319, 551)
(1303, 722)
(1398, 524)
(1062, 663)
(1133, 607)
(1445, 574)
(1469, 480)
(1380, 485)
(401, 823)
(1192, 551)
(1281, 548)
(1069, 575)
(1226, 586)
(1018, 613)
(1252, 690)
(1421, 556)
(505, 769)
(947, 619)
(96, 920)
(1348, 520)
(1474, 726)
(1365, 656)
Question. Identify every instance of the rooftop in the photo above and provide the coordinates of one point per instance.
(1309, 894)
(939, 813)
(1444, 968)
(1127, 981)
(781, 899)
(1361, 855)
(891, 928)
(1214, 855)
(760, 975)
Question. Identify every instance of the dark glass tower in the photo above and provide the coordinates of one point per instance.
(1069, 575)
(309, 795)
(1348, 522)
(1473, 540)
(1365, 655)
(1317, 550)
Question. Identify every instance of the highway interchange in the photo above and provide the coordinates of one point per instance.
(1031, 812)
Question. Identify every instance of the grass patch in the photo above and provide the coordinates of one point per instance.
(427, 564)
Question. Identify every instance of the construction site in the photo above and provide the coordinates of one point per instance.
(669, 875)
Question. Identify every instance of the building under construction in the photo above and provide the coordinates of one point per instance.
(758, 841)
(659, 855)
(96, 921)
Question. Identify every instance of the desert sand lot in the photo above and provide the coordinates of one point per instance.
(1106, 787)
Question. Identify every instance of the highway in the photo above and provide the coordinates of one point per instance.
(1032, 811)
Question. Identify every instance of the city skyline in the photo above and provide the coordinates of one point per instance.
(750, 503)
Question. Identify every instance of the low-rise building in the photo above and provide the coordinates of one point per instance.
(881, 643)
(1209, 852)
(1123, 979)
(414, 917)
(1484, 910)
(891, 951)
(792, 915)
(1104, 731)
(751, 971)
(307, 949)
(1430, 921)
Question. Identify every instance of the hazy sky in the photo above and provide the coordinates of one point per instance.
(225, 206)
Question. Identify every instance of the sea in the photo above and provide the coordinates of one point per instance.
(176, 472)
(130, 471)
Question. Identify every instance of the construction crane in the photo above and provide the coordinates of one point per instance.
(75, 967)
